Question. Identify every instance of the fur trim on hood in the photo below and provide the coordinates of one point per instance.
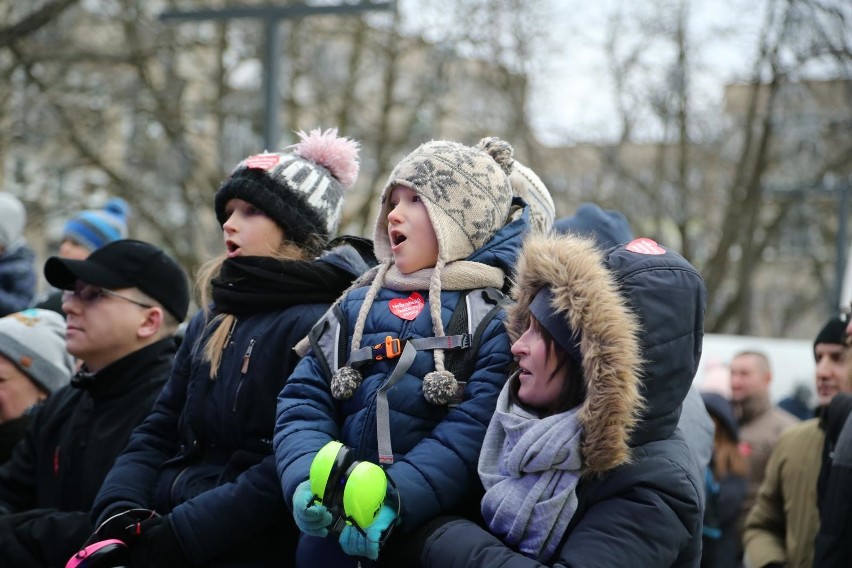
(586, 292)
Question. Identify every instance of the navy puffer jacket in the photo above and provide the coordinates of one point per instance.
(204, 454)
(435, 448)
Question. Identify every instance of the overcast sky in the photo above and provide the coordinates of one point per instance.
(573, 96)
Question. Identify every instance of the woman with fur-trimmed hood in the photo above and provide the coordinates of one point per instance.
(581, 463)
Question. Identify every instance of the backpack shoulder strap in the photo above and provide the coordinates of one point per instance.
(329, 340)
(474, 311)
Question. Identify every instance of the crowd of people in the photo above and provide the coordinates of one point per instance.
(478, 384)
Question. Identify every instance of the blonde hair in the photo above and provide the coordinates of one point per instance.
(224, 324)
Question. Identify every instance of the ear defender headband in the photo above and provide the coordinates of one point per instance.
(100, 551)
(353, 491)
(104, 553)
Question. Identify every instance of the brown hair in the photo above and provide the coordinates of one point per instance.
(727, 457)
(573, 390)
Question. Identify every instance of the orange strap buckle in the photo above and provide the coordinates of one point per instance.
(390, 349)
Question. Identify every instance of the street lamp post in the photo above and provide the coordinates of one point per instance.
(272, 16)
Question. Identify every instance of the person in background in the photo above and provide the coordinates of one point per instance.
(726, 486)
(123, 304)
(761, 423)
(17, 275)
(85, 232)
(607, 226)
(782, 525)
(203, 458)
(833, 543)
(33, 365)
(798, 403)
(583, 462)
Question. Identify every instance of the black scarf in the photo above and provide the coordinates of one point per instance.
(257, 284)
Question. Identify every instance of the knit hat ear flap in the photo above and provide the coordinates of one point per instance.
(439, 385)
(346, 379)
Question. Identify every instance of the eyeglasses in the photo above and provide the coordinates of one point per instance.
(91, 294)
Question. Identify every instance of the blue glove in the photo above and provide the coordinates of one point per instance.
(354, 543)
(311, 519)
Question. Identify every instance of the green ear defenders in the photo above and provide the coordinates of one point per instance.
(353, 491)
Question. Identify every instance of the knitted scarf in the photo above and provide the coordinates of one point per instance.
(257, 284)
(530, 467)
(458, 275)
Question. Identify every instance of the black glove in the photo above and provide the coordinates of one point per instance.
(121, 525)
(157, 546)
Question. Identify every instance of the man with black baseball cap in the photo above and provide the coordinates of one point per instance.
(123, 304)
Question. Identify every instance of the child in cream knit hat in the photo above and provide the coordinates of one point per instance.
(442, 232)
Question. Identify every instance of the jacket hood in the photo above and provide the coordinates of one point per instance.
(668, 296)
(586, 292)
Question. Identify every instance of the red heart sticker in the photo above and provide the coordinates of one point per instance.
(407, 308)
(645, 246)
(262, 161)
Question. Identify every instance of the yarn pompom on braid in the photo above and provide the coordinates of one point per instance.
(338, 155)
(439, 387)
(344, 381)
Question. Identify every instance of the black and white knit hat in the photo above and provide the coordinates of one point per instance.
(468, 195)
(301, 190)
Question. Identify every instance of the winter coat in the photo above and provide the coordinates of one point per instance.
(435, 448)
(721, 542)
(204, 455)
(833, 544)
(761, 426)
(17, 279)
(783, 523)
(722, 546)
(639, 498)
(11, 433)
(48, 487)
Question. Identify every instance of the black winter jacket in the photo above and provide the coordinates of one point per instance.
(204, 456)
(47, 488)
(833, 544)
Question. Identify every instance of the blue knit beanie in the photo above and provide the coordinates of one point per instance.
(608, 227)
(95, 228)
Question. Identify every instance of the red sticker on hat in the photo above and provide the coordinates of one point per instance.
(645, 246)
(407, 308)
(262, 161)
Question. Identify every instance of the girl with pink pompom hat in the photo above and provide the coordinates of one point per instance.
(203, 459)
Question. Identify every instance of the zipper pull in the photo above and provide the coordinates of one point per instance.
(247, 357)
(230, 333)
(56, 461)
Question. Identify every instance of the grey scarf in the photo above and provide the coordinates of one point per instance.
(530, 467)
